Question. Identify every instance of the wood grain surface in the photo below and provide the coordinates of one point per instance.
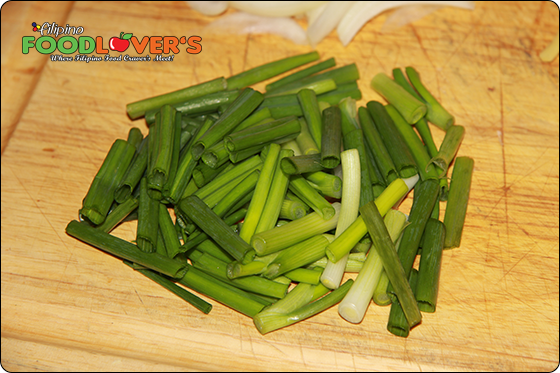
(67, 306)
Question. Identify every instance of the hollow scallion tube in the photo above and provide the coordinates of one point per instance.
(279, 238)
(302, 74)
(139, 108)
(449, 147)
(299, 164)
(318, 87)
(262, 190)
(328, 184)
(277, 131)
(354, 305)
(134, 172)
(237, 111)
(343, 91)
(301, 188)
(436, 113)
(386, 249)
(397, 323)
(124, 249)
(203, 174)
(353, 265)
(380, 296)
(148, 223)
(118, 214)
(331, 139)
(430, 266)
(269, 70)
(236, 194)
(394, 143)
(292, 210)
(410, 108)
(350, 204)
(308, 276)
(100, 195)
(457, 201)
(310, 107)
(305, 141)
(168, 232)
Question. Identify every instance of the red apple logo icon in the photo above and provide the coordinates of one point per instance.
(121, 43)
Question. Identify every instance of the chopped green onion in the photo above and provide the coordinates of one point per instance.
(308, 276)
(168, 232)
(308, 100)
(343, 91)
(148, 219)
(328, 184)
(118, 214)
(430, 266)
(457, 201)
(134, 172)
(449, 147)
(302, 74)
(331, 139)
(398, 324)
(292, 210)
(301, 188)
(299, 164)
(278, 131)
(318, 87)
(305, 141)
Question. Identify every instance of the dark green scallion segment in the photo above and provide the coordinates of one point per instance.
(305, 141)
(385, 247)
(179, 291)
(425, 197)
(168, 232)
(175, 155)
(458, 200)
(148, 220)
(162, 137)
(99, 197)
(199, 105)
(214, 227)
(282, 106)
(381, 158)
(203, 174)
(436, 113)
(398, 324)
(331, 137)
(135, 137)
(327, 64)
(301, 188)
(134, 172)
(310, 107)
(218, 290)
(137, 109)
(300, 164)
(239, 109)
(410, 108)
(210, 248)
(281, 130)
(124, 249)
(269, 70)
(319, 87)
(414, 144)
(430, 266)
(341, 92)
(118, 214)
(449, 147)
(246, 186)
(394, 143)
(266, 323)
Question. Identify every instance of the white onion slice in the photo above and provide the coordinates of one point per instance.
(407, 14)
(275, 8)
(209, 8)
(313, 14)
(362, 11)
(243, 23)
(327, 21)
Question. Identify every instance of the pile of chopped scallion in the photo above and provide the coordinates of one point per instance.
(276, 195)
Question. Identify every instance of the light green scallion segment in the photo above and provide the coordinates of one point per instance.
(386, 249)
(458, 200)
(139, 108)
(308, 276)
(353, 265)
(410, 108)
(436, 113)
(305, 141)
(279, 238)
(301, 74)
(269, 70)
(449, 147)
(310, 108)
(96, 203)
(292, 210)
(301, 188)
(430, 266)
(236, 194)
(328, 184)
(262, 189)
(354, 305)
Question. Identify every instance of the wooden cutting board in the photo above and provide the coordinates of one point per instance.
(68, 306)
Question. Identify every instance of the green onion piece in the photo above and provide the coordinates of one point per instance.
(375, 142)
(168, 232)
(214, 227)
(268, 322)
(218, 290)
(236, 194)
(292, 210)
(305, 141)
(298, 297)
(148, 220)
(96, 203)
(278, 131)
(310, 108)
(279, 238)
(181, 292)
(354, 264)
(319, 87)
(118, 214)
(298, 255)
(394, 143)
(124, 249)
(410, 108)
(354, 305)
(215, 155)
(308, 276)
(380, 296)
(343, 91)
(425, 197)
(300, 164)
(430, 266)
(137, 109)
(449, 147)
(436, 114)
(134, 172)
(275, 198)
(386, 249)
(328, 184)
(350, 204)
(415, 145)
(398, 324)
(355, 140)
(262, 189)
(282, 106)
(236, 112)
(135, 137)
(175, 155)
(457, 202)
(331, 139)
(327, 64)
(301, 188)
(203, 174)
(269, 70)
(257, 117)
(209, 247)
